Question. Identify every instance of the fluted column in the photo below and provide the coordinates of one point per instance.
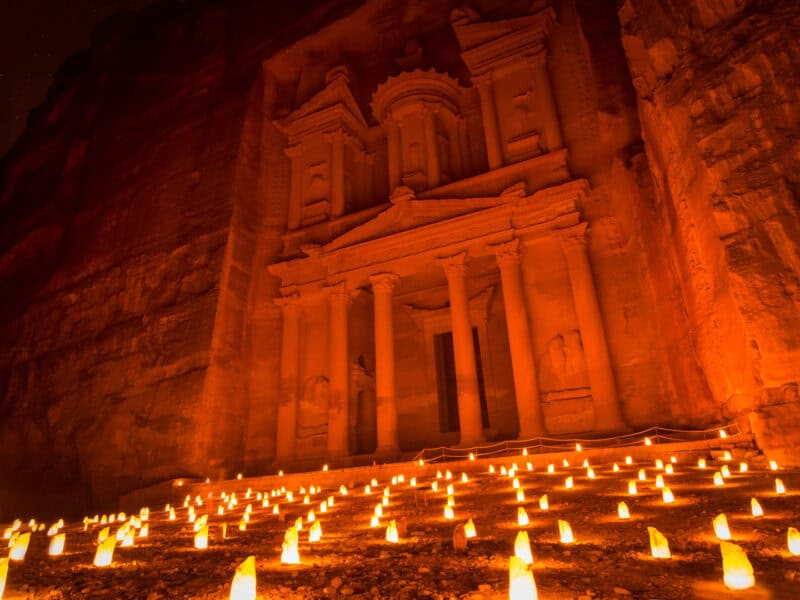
(469, 400)
(290, 355)
(383, 285)
(551, 127)
(432, 146)
(393, 152)
(338, 372)
(494, 147)
(608, 416)
(529, 408)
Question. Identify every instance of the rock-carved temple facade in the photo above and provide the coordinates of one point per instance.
(413, 253)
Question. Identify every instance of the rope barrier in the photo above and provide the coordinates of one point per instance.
(541, 445)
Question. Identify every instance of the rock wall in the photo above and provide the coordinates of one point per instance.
(141, 207)
(717, 91)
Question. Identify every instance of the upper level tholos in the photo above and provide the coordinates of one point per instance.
(427, 132)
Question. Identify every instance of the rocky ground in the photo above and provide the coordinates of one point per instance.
(610, 558)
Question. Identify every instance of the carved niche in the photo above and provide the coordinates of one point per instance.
(421, 112)
(331, 167)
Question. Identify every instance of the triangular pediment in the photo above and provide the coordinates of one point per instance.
(332, 106)
(411, 214)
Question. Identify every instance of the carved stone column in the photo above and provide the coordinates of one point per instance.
(469, 401)
(386, 402)
(593, 335)
(529, 408)
(551, 127)
(338, 372)
(296, 187)
(290, 355)
(336, 140)
(494, 146)
(432, 145)
(393, 152)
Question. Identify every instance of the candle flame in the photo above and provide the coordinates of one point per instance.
(522, 547)
(659, 547)
(736, 568)
(622, 511)
(243, 586)
(565, 531)
(521, 583)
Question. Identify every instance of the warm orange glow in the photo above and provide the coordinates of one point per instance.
(669, 470)
(648, 441)
(578, 447)
(615, 468)
(701, 463)
(471, 456)
(515, 483)
(743, 467)
(629, 460)
(666, 496)
(521, 584)
(243, 586)
(20, 546)
(201, 538)
(450, 489)
(315, 532)
(290, 555)
(448, 513)
(435, 486)
(103, 534)
(543, 502)
(642, 475)
(565, 532)
(793, 540)
(378, 511)
(632, 491)
(659, 481)
(451, 501)
(522, 547)
(622, 511)
(491, 468)
(3, 574)
(727, 455)
(374, 521)
(718, 480)
(105, 552)
(659, 547)
(391, 532)
(736, 568)
(311, 517)
(469, 529)
(659, 464)
(726, 472)
(522, 517)
(56, 545)
(464, 478)
(773, 465)
(520, 496)
(568, 483)
(145, 530)
(755, 508)
(551, 468)
(721, 529)
(590, 473)
(779, 487)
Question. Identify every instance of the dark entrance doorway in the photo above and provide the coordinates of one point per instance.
(446, 381)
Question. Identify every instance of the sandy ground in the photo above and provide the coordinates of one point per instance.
(610, 558)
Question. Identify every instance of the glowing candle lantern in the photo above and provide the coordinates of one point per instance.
(568, 483)
(736, 568)
(171, 514)
(722, 434)
(628, 460)
(726, 472)
(464, 478)
(755, 508)
(243, 586)
(648, 441)
(773, 466)
(378, 512)
(565, 532)
(448, 513)
(520, 496)
(450, 489)
(659, 547)
(435, 486)
(289, 497)
(307, 499)
(289, 553)
(105, 552)
(779, 487)
(448, 475)
(243, 524)
(220, 510)
(386, 491)
(622, 511)
(103, 534)
(104, 520)
(451, 501)
(52, 531)
(551, 468)
(522, 547)
(311, 517)
(3, 575)
(469, 529)
(666, 496)
(491, 468)
(413, 482)
(471, 456)
(343, 490)
(20, 546)
(543, 502)
(201, 538)
(659, 481)
(374, 521)
(718, 480)
(391, 532)
(127, 540)
(564, 463)
(515, 483)
(659, 464)
(298, 523)
(578, 447)
(727, 455)
(56, 545)
(145, 530)
(615, 468)
(521, 584)
(315, 532)
(669, 470)
(276, 510)
(367, 490)
(522, 517)
(721, 529)
(529, 466)
(323, 507)
(742, 467)
(642, 475)
(632, 488)
(324, 467)
(590, 473)
(793, 539)
(503, 470)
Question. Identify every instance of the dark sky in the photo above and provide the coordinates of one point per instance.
(36, 36)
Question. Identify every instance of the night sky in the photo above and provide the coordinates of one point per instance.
(36, 36)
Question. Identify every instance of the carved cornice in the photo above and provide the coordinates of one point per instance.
(384, 283)
(507, 253)
(289, 302)
(454, 265)
(575, 236)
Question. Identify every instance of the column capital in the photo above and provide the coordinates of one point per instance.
(293, 151)
(507, 253)
(384, 282)
(335, 135)
(288, 302)
(453, 265)
(575, 236)
(483, 79)
(338, 292)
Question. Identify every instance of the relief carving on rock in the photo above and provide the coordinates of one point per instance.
(563, 365)
(312, 415)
